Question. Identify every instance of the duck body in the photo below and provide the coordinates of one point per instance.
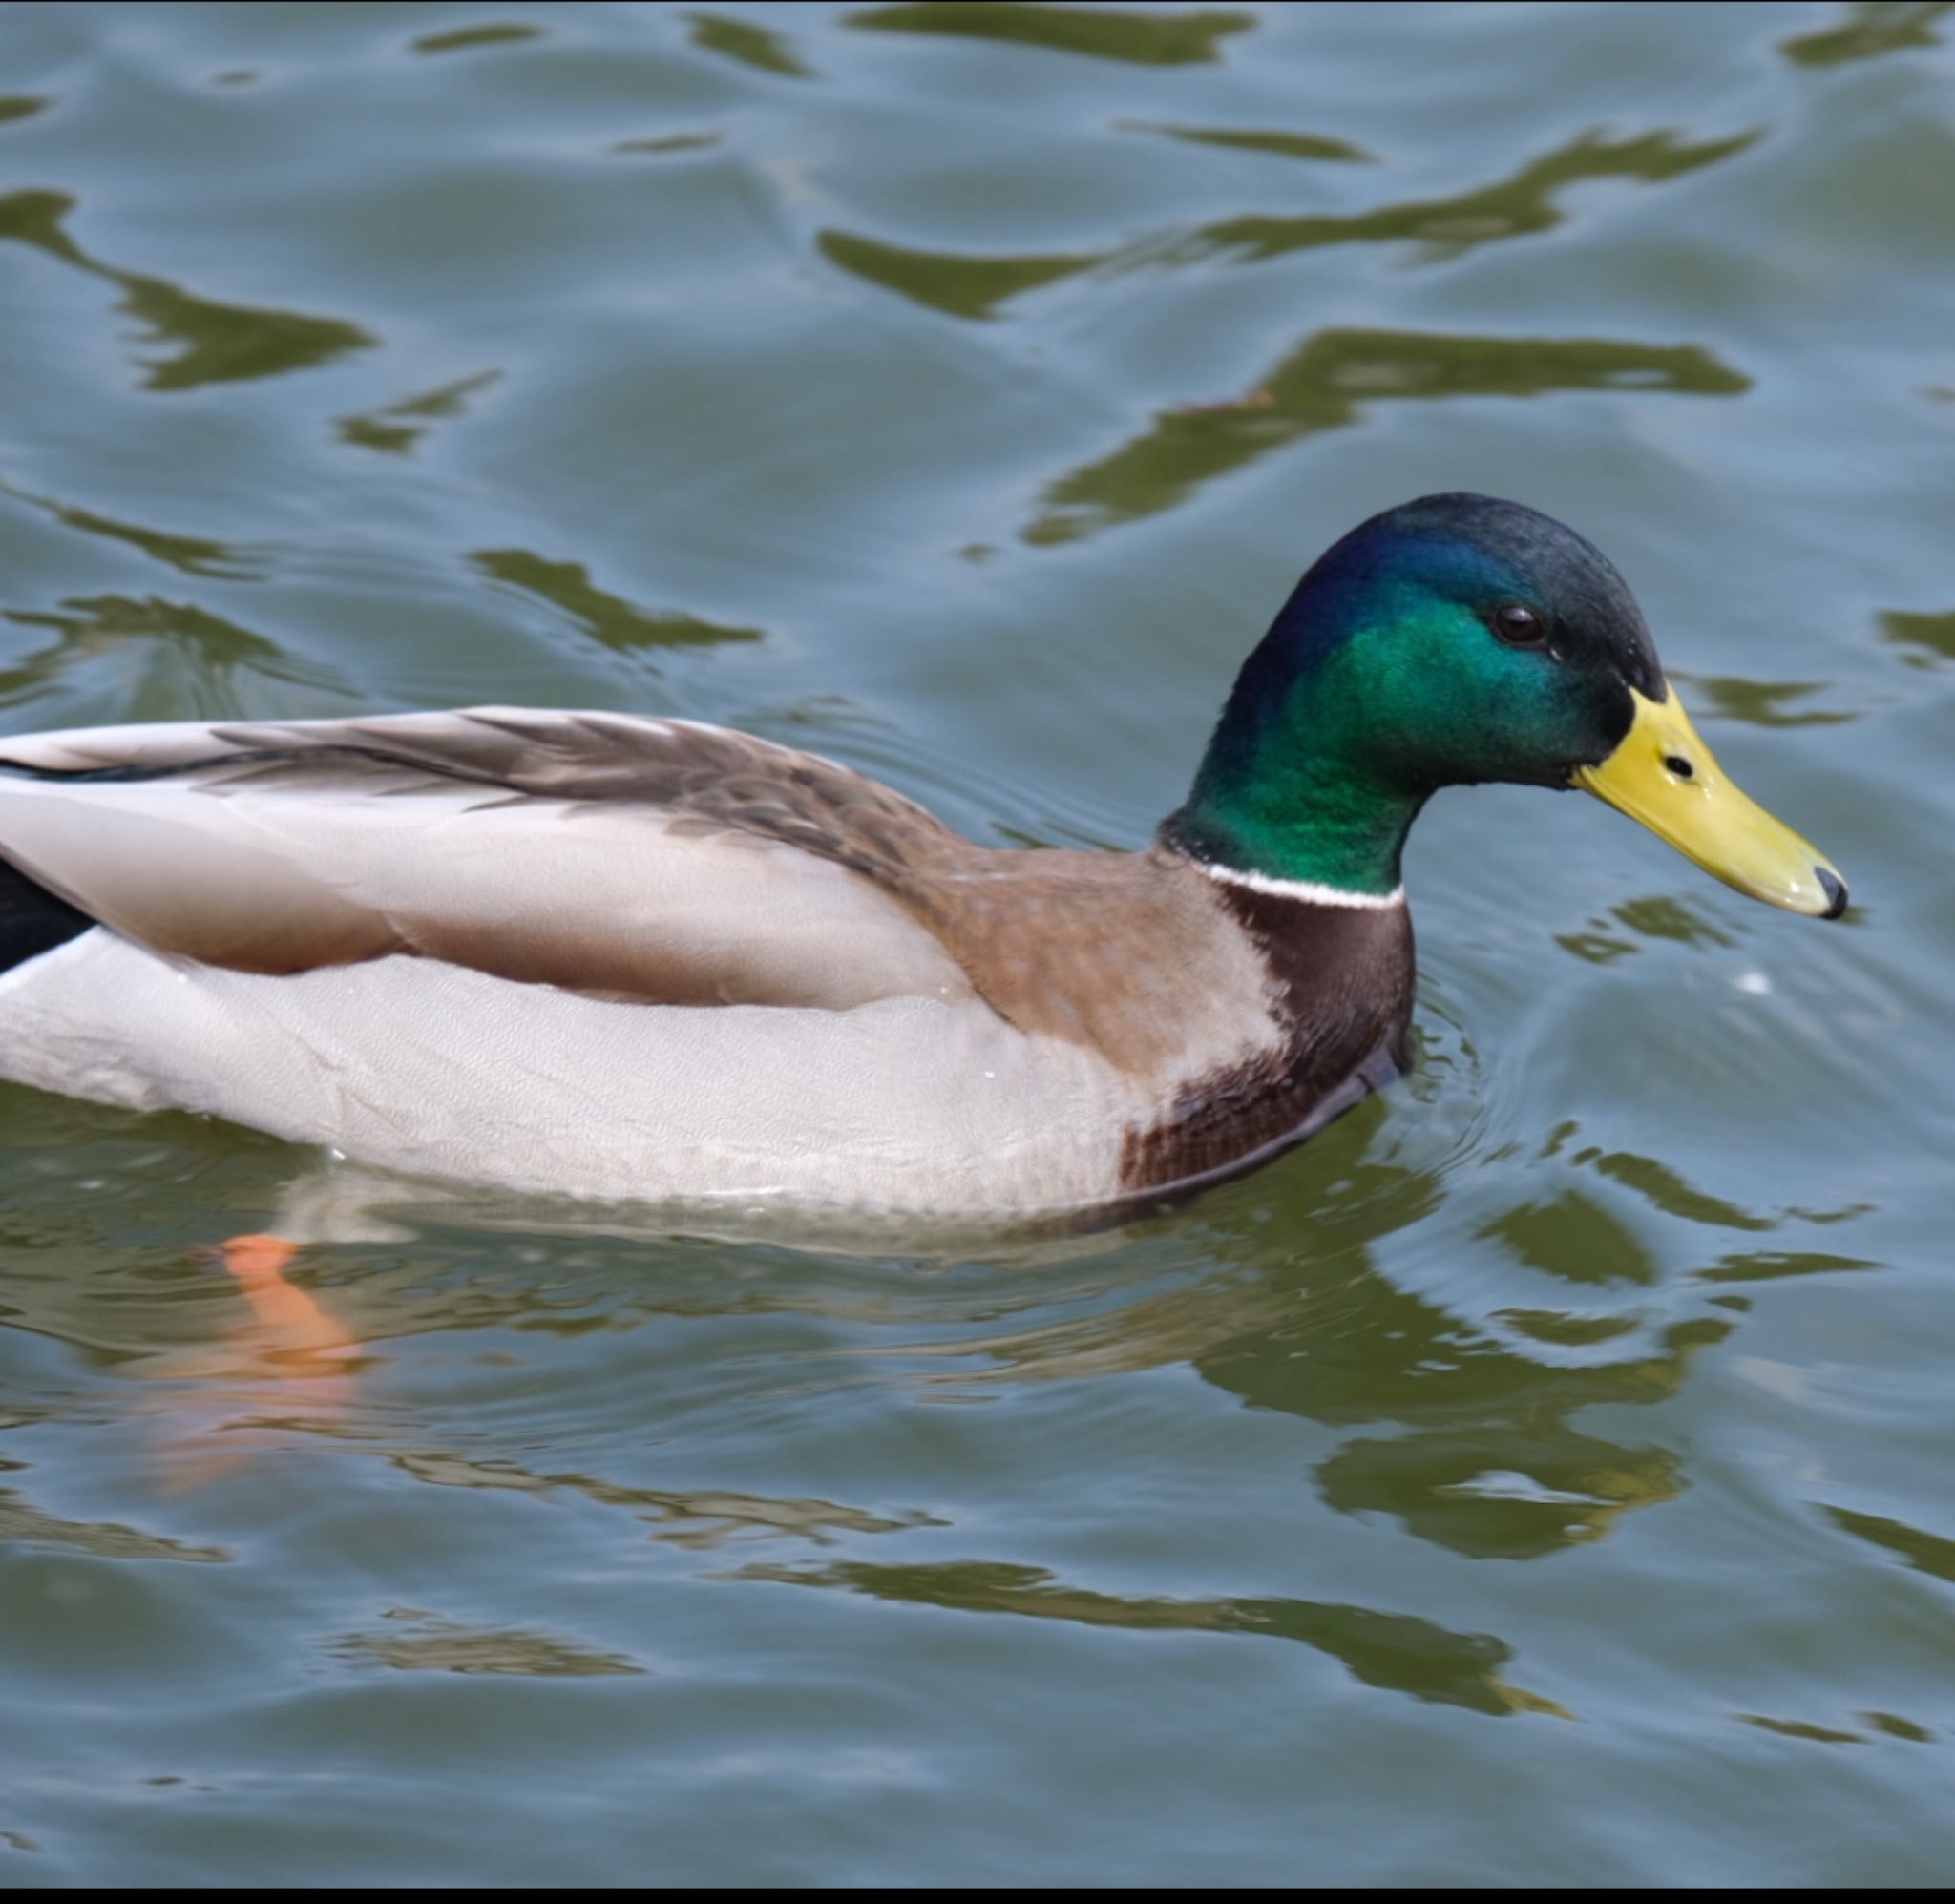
(634, 958)
(647, 959)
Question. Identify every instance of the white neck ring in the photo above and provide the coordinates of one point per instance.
(1308, 891)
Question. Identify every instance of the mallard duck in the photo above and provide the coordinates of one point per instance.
(635, 958)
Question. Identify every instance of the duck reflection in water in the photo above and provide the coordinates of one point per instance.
(1457, 1404)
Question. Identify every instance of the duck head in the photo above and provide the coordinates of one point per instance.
(1454, 640)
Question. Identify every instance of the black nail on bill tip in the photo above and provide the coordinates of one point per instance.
(1835, 890)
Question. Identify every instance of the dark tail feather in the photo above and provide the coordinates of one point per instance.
(32, 920)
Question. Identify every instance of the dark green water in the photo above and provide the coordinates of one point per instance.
(1544, 1476)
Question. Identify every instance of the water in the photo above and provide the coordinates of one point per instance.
(1541, 1477)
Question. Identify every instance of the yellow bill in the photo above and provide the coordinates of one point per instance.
(1665, 777)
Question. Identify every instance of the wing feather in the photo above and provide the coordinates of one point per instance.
(652, 860)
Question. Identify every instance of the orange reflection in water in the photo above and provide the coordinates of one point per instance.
(290, 1337)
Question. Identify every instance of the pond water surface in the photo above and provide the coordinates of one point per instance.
(1543, 1477)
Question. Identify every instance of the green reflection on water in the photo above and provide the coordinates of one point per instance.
(1871, 27)
(220, 344)
(1324, 385)
(174, 660)
(1770, 1265)
(1494, 1465)
(490, 32)
(425, 1643)
(1500, 1493)
(973, 286)
(397, 428)
(751, 45)
(1662, 917)
(1576, 1237)
(1927, 1553)
(1282, 145)
(700, 1519)
(191, 555)
(22, 1522)
(607, 617)
(1396, 1651)
(951, 282)
(1161, 36)
(1929, 640)
(1510, 208)
(1801, 1728)
(1665, 1189)
(669, 142)
(1763, 704)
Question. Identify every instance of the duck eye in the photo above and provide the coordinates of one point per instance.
(1518, 625)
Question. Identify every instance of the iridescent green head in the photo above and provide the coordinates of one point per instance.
(1453, 639)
